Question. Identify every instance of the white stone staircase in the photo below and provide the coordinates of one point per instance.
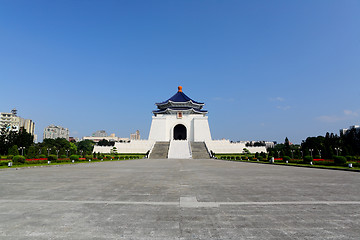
(179, 149)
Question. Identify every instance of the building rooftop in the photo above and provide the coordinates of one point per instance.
(180, 97)
(180, 102)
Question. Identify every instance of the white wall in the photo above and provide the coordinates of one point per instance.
(197, 126)
(201, 129)
(158, 129)
(226, 147)
(135, 146)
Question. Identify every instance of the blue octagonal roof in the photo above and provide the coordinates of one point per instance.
(180, 97)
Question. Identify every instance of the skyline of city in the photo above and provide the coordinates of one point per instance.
(265, 70)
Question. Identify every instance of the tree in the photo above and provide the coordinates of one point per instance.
(105, 142)
(113, 150)
(86, 146)
(287, 143)
(31, 152)
(13, 150)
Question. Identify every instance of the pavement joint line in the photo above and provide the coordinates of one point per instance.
(186, 204)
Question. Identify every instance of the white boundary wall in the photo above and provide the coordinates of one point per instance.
(227, 147)
(135, 146)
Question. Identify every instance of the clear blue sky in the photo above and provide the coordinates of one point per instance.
(266, 70)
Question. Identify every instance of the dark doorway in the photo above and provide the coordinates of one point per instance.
(179, 132)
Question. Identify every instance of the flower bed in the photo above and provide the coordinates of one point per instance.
(322, 160)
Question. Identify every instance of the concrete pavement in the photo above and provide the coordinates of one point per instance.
(178, 199)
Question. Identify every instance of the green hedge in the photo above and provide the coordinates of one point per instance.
(4, 163)
(340, 160)
(286, 158)
(52, 158)
(37, 162)
(74, 157)
(18, 159)
(307, 159)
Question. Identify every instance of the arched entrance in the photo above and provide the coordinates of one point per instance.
(179, 132)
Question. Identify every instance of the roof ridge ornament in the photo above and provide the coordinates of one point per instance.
(179, 88)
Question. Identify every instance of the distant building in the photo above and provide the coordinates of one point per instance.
(74, 139)
(111, 138)
(54, 132)
(135, 136)
(346, 130)
(99, 133)
(12, 122)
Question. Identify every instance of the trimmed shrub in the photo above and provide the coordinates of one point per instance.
(52, 158)
(10, 156)
(356, 164)
(63, 156)
(307, 159)
(286, 158)
(4, 163)
(348, 157)
(18, 159)
(74, 157)
(340, 160)
(260, 158)
(89, 157)
(63, 160)
(36, 162)
(42, 156)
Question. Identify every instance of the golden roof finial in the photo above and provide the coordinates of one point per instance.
(179, 88)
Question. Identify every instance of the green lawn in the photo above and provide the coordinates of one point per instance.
(301, 165)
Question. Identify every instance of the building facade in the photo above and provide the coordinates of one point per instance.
(180, 118)
(53, 132)
(135, 136)
(110, 138)
(12, 122)
(180, 129)
(346, 130)
(99, 133)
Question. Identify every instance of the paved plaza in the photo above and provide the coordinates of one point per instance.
(178, 199)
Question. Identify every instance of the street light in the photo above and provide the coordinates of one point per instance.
(67, 152)
(278, 154)
(57, 153)
(311, 150)
(302, 154)
(337, 150)
(48, 150)
(81, 152)
(22, 150)
(292, 154)
(320, 153)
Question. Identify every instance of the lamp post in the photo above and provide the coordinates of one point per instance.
(302, 154)
(320, 153)
(292, 154)
(48, 150)
(81, 152)
(22, 150)
(67, 152)
(337, 151)
(39, 151)
(278, 154)
(57, 153)
(311, 151)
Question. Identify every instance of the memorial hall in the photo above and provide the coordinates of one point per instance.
(179, 129)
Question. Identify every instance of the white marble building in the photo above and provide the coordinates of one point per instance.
(180, 121)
